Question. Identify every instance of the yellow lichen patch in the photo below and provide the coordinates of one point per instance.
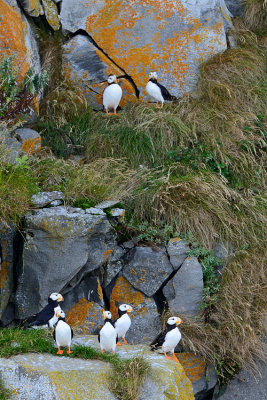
(78, 313)
(12, 37)
(51, 14)
(4, 273)
(107, 255)
(31, 145)
(99, 290)
(34, 8)
(193, 365)
(123, 292)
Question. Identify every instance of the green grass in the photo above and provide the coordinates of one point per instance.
(126, 376)
(5, 394)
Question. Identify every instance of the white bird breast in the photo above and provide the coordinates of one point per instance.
(63, 334)
(108, 337)
(122, 325)
(112, 96)
(172, 338)
(154, 91)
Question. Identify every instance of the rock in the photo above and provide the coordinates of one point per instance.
(173, 38)
(145, 317)
(225, 252)
(43, 376)
(7, 236)
(177, 250)
(95, 211)
(62, 244)
(42, 199)
(236, 7)
(85, 317)
(17, 36)
(166, 380)
(114, 265)
(129, 244)
(184, 291)
(86, 66)
(12, 146)
(246, 386)
(30, 140)
(107, 204)
(51, 13)
(147, 269)
(32, 7)
(55, 203)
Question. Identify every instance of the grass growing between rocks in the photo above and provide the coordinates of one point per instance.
(4, 393)
(126, 377)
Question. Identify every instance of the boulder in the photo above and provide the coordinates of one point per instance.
(62, 245)
(86, 66)
(42, 199)
(147, 269)
(85, 317)
(184, 291)
(145, 317)
(236, 7)
(30, 140)
(177, 250)
(32, 7)
(172, 38)
(51, 14)
(7, 236)
(114, 265)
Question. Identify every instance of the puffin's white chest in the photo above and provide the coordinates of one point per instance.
(154, 91)
(63, 334)
(54, 319)
(108, 337)
(122, 325)
(172, 338)
(112, 96)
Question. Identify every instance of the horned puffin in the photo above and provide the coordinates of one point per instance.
(169, 338)
(156, 90)
(63, 333)
(48, 312)
(107, 336)
(123, 323)
(112, 94)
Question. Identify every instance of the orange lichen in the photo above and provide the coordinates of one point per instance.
(78, 313)
(51, 14)
(193, 365)
(5, 265)
(123, 292)
(31, 145)
(107, 255)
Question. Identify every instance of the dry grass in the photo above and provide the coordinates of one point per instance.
(255, 14)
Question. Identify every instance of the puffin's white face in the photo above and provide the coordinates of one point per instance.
(174, 320)
(126, 307)
(107, 314)
(153, 75)
(112, 79)
(56, 296)
(60, 313)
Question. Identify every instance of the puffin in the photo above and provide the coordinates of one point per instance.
(112, 94)
(107, 336)
(156, 90)
(123, 323)
(169, 338)
(48, 312)
(63, 333)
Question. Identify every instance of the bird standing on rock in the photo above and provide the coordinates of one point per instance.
(112, 95)
(157, 91)
(63, 333)
(48, 312)
(123, 323)
(107, 336)
(169, 338)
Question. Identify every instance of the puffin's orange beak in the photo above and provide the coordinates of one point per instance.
(117, 80)
(61, 298)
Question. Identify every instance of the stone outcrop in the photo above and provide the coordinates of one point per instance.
(30, 139)
(177, 250)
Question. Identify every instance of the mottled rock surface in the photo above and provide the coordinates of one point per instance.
(177, 250)
(85, 317)
(184, 291)
(32, 7)
(145, 317)
(147, 269)
(30, 139)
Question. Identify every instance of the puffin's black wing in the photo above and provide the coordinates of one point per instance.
(165, 93)
(54, 334)
(71, 332)
(44, 316)
(158, 341)
(98, 337)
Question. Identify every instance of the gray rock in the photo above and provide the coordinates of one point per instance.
(85, 317)
(177, 250)
(184, 291)
(12, 147)
(32, 8)
(42, 199)
(206, 383)
(147, 269)
(129, 244)
(7, 236)
(236, 7)
(107, 204)
(23, 134)
(95, 211)
(114, 265)
(56, 203)
(60, 243)
(224, 251)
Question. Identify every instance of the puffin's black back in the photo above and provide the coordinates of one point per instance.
(45, 314)
(159, 340)
(165, 93)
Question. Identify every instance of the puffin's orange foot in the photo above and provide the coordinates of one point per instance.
(157, 105)
(60, 351)
(115, 112)
(119, 344)
(102, 351)
(113, 353)
(69, 351)
(161, 105)
(124, 340)
(168, 358)
(174, 357)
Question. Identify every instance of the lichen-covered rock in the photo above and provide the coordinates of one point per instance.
(32, 7)
(7, 236)
(42, 199)
(45, 377)
(30, 139)
(62, 244)
(173, 38)
(147, 269)
(184, 291)
(86, 66)
(17, 37)
(114, 265)
(177, 250)
(145, 317)
(85, 317)
(51, 13)
(236, 7)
